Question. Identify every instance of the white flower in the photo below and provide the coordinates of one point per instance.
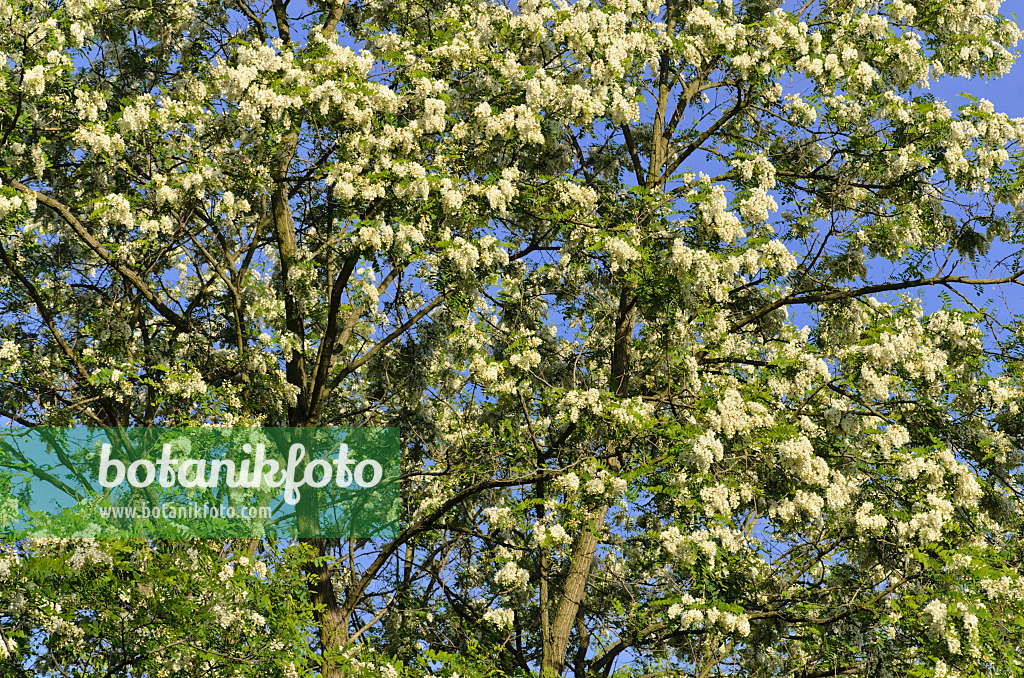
(672, 540)
(539, 533)
(115, 209)
(797, 456)
(34, 80)
(465, 255)
(717, 499)
(558, 535)
(865, 522)
(897, 435)
(725, 224)
(594, 486)
(433, 115)
(568, 483)
(512, 577)
(226, 572)
(864, 75)
(838, 492)
(778, 256)
(500, 617)
(935, 617)
(620, 253)
(526, 359)
(134, 118)
(87, 553)
(6, 564)
(9, 350)
(756, 208)
(706, 450)
(615, 487)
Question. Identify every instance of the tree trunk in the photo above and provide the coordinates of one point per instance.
(581, 563)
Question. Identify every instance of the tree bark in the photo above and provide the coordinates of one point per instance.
(585, 547)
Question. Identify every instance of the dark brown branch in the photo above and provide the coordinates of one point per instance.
(281, 16)
(103, 253)
(870, 289)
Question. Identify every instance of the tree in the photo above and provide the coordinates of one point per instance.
(568, 249)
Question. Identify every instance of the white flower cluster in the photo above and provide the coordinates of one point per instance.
(433, 115)
(734, 415)
(605, 485)
(710, 618)
(571, 194)
(1004, 589)
(686, 548)
(567, 483)
(867, 522)
(86, 553)
(927, 525)
(629, 411)
(718, 30)
(52, 623)
(863, 76)
(8, 563)
(706, 450)
(756, 208)
(89, 104)
(500, 617)
(757, 168)
(928, 472)
(797, 457)
(135, 118)
(573, 403)
(186, 385)
(15, 203)
(910, 349)
(527, 356)
(806, 505)
(94, 139)
(702, 275)
(727, 622)
(33, 81)
(544, 535)
(938, 616)
(935, 617)
(464, 254)
(715, 214)
(484, 371)
(503, 192)
(621, 254)
(800, 111)
(718, 499)
(697, 269)
(115, 209)
(499, 517)
(9, 353)
(512, 577)
(777, 257)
